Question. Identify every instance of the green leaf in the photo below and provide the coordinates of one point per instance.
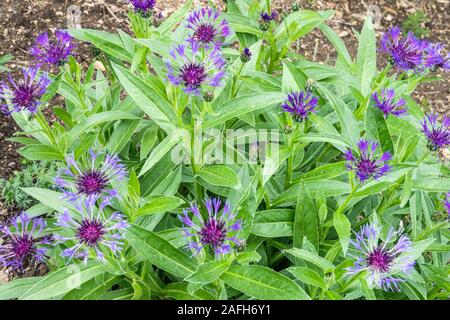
(366, 61)
(105, 41)
(145, 96)
(305, 221)
(273, 223)
(406, 193)
(16, 288)
(349, 125)
(148, 140)
(327, 171)
(308, 276)
(327, 187)
(92, 289)
(160, 252)
(240, 23)
(263, 283)
(96, 119)
(210, 271)
(122, 135)
(160, 204)
(63, 280)
(338, 43)
(179, 291)
(300, 23)
(431, 184)
(333, 139)
(174, 19)
(241, 105)
(313, 258)
(343, 229)
(40, 152)
(417, 248)
(377, 129)
(169, 186)
(220, 175)
(47, 197)
(159, 152)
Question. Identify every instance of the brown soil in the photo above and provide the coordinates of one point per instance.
(21, 21)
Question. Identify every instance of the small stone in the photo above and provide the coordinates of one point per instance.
(3, 277)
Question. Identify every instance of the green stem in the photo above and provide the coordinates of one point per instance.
(343, 206)
(44, 125)
(198, 192)
(290, 165)
(273, 52)
(235, 78)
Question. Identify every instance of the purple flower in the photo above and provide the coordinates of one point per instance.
(194, 71)
(406, 53)
(447, 203)
(266, 17)
(216, 231)
(435, 58)
(90, 178)
(438, 135)
(207, 28)
(144, 7)
(246, 55)
(47, 52)
(91, 232)
(364, 162)
(299, 104)
(23, 241)
(385, 101)
(24, 94)
(382, 260)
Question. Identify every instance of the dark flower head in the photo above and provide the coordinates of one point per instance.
(246, 55)
(216, 231)
(193, 71)
(91, 232)
(382, 261)
(206, 28)
(23, 241)
(364, 162)
(92, 178)
(144, 7)
(48, 53)
(385, 101)
(266, 17)
(438, 135)
(24, 94)
(435, 58)
(299, 104)
(406, 53)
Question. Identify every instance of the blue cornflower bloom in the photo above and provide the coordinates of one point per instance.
(24, 94)
(207, 28)
(22, 241)
(383, 260)
(195, 70)
(364, 162)
(217, 230)
(47, 52)
(91, 232)
(386, 101)
(300, 104)
(91, 178)
(438, 135)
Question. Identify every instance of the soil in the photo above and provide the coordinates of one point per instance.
(21, 21)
